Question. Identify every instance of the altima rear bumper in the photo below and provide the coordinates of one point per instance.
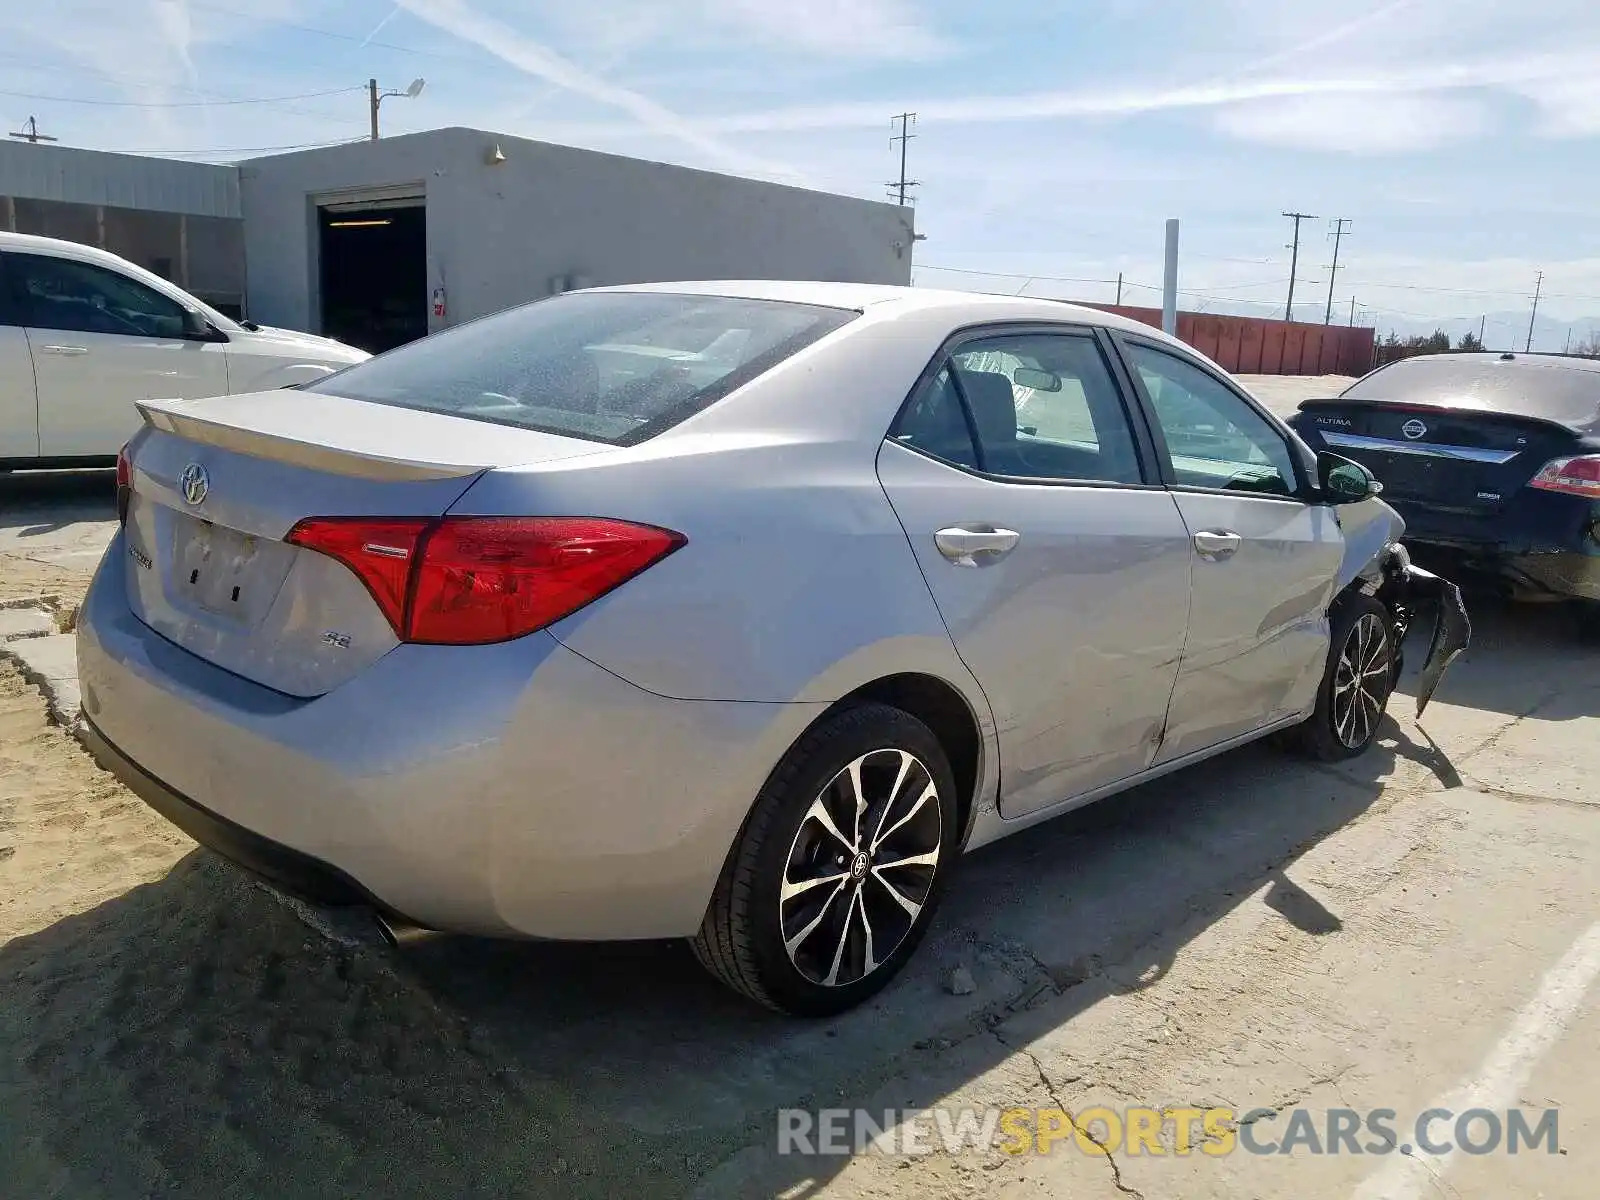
(515, 789)
(1544, 543)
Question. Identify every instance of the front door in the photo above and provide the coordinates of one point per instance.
(1062, 576)
(101, 340)
(1264, 560)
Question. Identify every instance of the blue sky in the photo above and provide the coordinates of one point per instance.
(1458, 136)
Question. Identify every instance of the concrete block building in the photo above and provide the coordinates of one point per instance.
(379, 242)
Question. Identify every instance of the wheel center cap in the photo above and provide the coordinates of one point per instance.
(858, 869)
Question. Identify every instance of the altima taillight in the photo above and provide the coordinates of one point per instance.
(124, 484)
(1574, 476)
(471, 580)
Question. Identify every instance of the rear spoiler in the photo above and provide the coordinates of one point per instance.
(1444, 410)
(356, 438)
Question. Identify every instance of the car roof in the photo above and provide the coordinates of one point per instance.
(973, 306)
(28, 243)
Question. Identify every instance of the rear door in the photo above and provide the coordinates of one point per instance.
(19, 412)
(1264, 560)
(1060, 568)
(100, 341)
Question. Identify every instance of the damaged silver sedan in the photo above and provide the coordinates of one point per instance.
(734, 612)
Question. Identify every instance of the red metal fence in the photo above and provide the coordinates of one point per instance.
(1258, 346)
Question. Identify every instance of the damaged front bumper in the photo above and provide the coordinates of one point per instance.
(1408, 587)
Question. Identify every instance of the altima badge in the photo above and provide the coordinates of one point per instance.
(194, 483)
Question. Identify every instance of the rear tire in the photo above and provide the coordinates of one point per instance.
(1356, 684)
(839, 867)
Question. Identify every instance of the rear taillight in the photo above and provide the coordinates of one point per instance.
(1574, 476)
(380, 552)
(124, 484)
(471, 580)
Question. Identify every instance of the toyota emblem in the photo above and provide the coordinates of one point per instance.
(1413, 429)
(194, 483)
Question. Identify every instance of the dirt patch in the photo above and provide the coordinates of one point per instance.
(169, 1028)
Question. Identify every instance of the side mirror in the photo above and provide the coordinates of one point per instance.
(197, 329)
(1345, 481)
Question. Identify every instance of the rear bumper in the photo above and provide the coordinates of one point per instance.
(299, 873)
(511, 790)
(1544, 543)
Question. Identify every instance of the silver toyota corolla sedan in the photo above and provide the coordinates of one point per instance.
(727, 611)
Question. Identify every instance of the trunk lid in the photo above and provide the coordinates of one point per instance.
(1436, 457)
(217, 485)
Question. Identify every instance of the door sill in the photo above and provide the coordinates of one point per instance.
(1149, 773)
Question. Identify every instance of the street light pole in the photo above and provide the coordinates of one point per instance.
(375, 97)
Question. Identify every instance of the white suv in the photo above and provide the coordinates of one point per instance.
(84, 334)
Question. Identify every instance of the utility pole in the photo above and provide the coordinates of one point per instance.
(1352, 310)
(1537, 288)
(1119, 289)
(1483, 322)
(1338, 236)
(1294, 259)
(902, 185)
(1567, 349)
(30, 132)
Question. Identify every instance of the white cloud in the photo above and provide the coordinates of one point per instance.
(860, 30)
(533, 58)
(1355, 123)
(870, 29)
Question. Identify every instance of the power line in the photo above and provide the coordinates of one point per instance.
(1294, 259)
(1338, 236)
(245, 149)
(179, 103)
(904, 138)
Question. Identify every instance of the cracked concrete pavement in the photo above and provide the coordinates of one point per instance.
(1256, 933)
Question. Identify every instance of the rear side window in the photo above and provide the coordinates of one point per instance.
(617, 367)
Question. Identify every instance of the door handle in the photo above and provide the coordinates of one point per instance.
(68, 350)
(1217, 544)
(962, 544)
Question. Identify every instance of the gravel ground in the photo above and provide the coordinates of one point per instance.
(1404, 930)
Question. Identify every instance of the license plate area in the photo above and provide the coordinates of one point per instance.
(223, 572)
(1439, 481)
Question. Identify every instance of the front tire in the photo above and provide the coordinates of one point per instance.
(1356, 685)
(840, 865)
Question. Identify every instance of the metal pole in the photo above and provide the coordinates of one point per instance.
(372, 103)
(1169, 287)
(1537, 288)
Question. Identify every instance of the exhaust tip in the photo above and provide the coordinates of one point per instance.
(401, 934)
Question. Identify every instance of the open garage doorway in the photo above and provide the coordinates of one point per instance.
(374, 272)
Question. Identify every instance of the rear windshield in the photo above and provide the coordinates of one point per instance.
(615, 367)
(1525, 386)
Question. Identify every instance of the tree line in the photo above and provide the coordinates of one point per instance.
(1392, 347)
